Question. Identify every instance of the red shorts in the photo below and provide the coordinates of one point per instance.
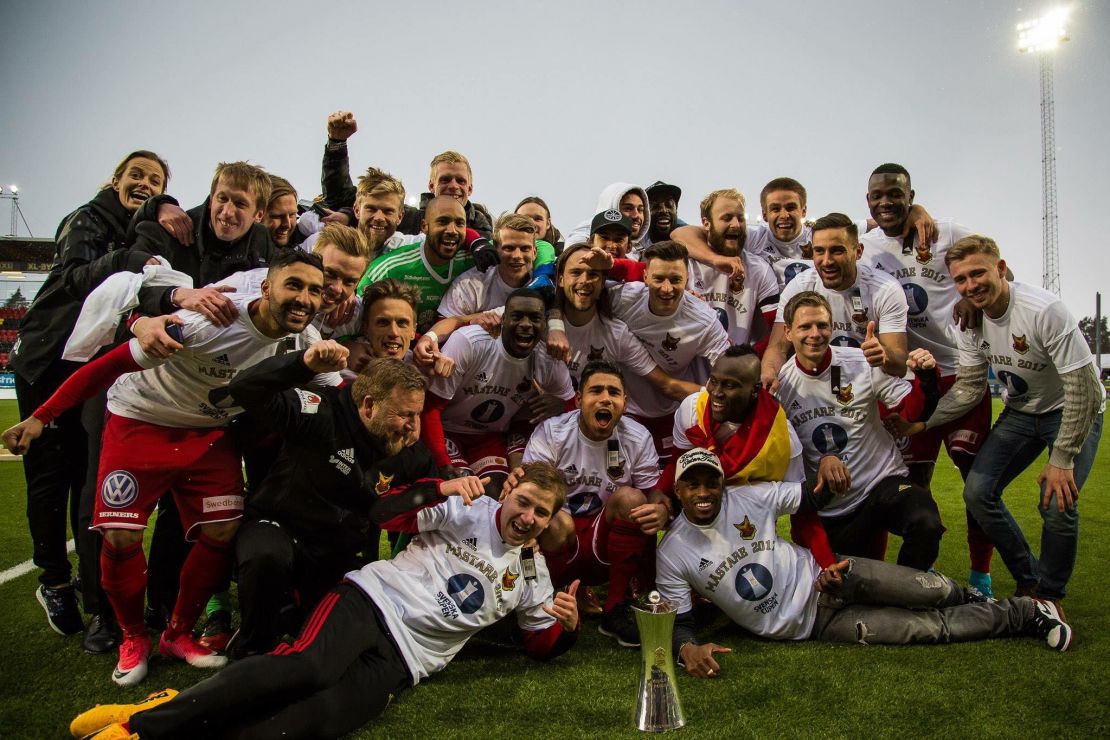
(964, 435)
(482, 454)
(662, 433)
(590, 559)
(139, 462)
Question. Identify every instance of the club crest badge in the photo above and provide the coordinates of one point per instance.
(595, 353)
(859, 316)
(508, 579)
(384, 481)
(670, 343)
(924, 253)
(1021, 346)
(746, 529)
(524, 385)
(844, 394)
(615, 472)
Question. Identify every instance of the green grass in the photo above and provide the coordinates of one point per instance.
(999, 688)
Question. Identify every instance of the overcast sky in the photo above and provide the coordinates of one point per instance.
(560, 99)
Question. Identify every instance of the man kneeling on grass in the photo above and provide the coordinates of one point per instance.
(386, 626)
(724, 546)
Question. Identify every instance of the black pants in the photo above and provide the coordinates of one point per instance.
(897, 506)
(54, 467)
(280, 580)
(342, 672)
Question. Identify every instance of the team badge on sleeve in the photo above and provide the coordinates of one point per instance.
(1021, 346)
(310, 402)
(119, 489)
(383, 483)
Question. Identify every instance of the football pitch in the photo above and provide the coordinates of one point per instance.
(999, 688)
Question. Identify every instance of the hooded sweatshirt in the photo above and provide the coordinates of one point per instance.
(610, 198)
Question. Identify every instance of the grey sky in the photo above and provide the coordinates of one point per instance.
(560, 99)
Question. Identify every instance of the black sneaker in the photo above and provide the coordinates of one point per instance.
(61, 609)
(102, 635)
(156, 618)
(621, 624)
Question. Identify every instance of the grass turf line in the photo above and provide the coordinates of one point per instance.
(988, 689)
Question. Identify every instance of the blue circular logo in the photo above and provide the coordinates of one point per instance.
(722, 317)
(467, 592)
(830, 438)
(754, 582)
(584, 503)
(1014, 384)
(119, 489)
(793, 270)
(916, 298)
(845, 341)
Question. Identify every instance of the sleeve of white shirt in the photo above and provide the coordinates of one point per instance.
(669, 580)
(1062, 339)
(714, 341)
(891, 309)
(539, 447)
(787, 497)
(458, 348)
(633, 354)
(645, 468)
(434, 517)
(970, 354)
(796, 468)
(684, 418)
(461, 298)
(558, 378)
(888, 389)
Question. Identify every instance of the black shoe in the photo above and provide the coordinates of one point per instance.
(217, 631)
(620, 623)
(61, 609)
(156, 618)
(102, 636)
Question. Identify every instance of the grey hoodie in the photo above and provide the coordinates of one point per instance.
(610, 198)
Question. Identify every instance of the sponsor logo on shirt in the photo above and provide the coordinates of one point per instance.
(347, 454)
(223, 360)
(704, 564)
(471, 542)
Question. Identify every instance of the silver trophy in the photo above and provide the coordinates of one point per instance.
(657, 707)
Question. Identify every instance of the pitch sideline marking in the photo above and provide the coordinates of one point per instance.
(26, 567)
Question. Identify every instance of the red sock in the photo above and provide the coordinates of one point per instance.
(123, 577)
(626, 549)
(208, 564)
(979, 546)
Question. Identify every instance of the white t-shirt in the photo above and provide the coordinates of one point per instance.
(875, 296)
(1028, 347)
(454, 578)
(489, 385)
(786, 259)
(674, 342)
(603, 338)
(174, 392)
(736, 309)
(585, 462)
(930, 293)
(475, 291)
(846, 425)
(687, 418)
(762, 582)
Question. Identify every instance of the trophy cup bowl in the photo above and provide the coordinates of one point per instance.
(657, 706)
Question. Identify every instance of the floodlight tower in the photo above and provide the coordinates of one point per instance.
(1042, 36)
(12, 193)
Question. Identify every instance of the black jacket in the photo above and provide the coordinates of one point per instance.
(207, 260)
(329, 470)
(339, 192)
(89, 248)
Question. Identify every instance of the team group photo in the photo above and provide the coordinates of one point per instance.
(521, 370)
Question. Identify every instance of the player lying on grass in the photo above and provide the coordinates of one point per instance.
(386, 626)
(724, 546)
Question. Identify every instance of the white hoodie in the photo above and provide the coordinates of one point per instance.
(610, 198)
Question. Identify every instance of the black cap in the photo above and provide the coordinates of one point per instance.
(660, 189)
(612, 217)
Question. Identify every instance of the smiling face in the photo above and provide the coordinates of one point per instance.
(632, 205)
(665, 280)
(342, 272)
(281, 219)
(733, 388)
(522, 325)
(810, 333)
(451, 179)
(664, 214)
(700, 490)
(390, 327)
(613, 240)
(601, 400)
(378, 217)
(516, 251)
(726, 229)
(581, 284)
(538, 215)
(981, 278)
(445, 226)
(232, 211)
(834, 257)
(395, 422)
(293, 297)
(141, 178)
(784, 213)
(889, 199)
(525, 513)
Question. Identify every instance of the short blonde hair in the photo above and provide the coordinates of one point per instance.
(450, 157)
(969, 245)
(547, 477)
(708, 201)
(244, 176)
(514, 222)
(346, 239)
(378, 183)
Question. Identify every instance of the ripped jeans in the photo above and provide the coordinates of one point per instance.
(884, 604)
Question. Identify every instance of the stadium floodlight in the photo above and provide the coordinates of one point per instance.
(1044, 33)
(13, 188)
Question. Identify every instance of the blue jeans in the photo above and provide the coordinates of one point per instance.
(1015, 443)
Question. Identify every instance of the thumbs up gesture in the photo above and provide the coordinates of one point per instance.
(872, 348)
